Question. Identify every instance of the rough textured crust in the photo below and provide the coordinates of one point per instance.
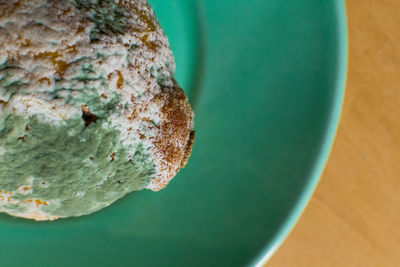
(135, 61)
(176, 127)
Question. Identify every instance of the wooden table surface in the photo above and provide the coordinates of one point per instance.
(353, 218)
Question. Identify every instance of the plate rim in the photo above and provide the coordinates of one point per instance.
(329, 137)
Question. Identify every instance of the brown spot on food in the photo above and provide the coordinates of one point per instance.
(104, 96)
(13, 55)
(91, 158)
(118, 181)
(3, 102)
(27, 127)
(59, 65)
(45, 79)
(188, 150)
(112, 156)
(149, 44)
(120, 81)
(21, 138)
(143, 16)
(142, 136)
(26, 188)
(71, 49)
(80, 29)
(134, 64)
(88, 116)
(27, 43)
(149, 22)
(39, 202)
(146, 119)
(133, 115)
(64, 13)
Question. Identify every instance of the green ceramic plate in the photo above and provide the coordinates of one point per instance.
(267, 80)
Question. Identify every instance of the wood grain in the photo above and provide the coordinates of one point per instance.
(353, 218)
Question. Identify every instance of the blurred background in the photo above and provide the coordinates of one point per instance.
(353, 218)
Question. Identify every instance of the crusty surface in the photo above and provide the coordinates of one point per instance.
(68, 59)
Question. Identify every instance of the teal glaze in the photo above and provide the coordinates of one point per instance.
(268, 81)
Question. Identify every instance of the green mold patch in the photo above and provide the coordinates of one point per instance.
(76, 169)
(108, 16)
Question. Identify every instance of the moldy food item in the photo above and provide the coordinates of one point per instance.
(89, 107)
